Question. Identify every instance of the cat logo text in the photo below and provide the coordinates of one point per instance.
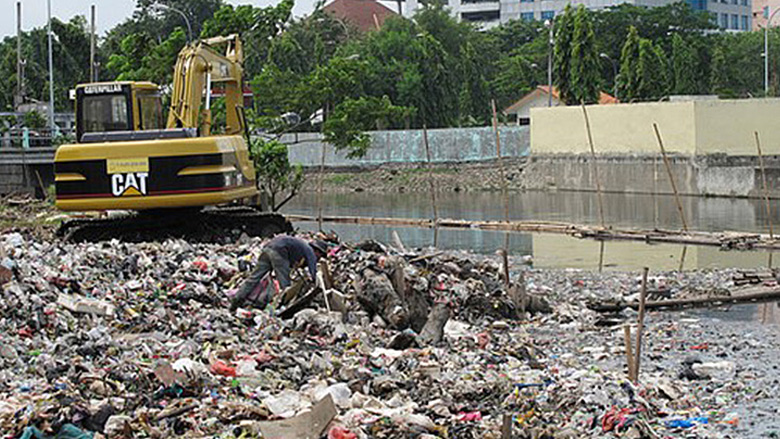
(129, 184)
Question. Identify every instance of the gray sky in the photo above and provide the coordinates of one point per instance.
(109, 12)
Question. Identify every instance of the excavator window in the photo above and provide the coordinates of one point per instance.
(150, 109)
(101, 109)
(105, 113)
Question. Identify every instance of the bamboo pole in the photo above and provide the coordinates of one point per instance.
(594, 165)
(766, 188)
(319, 189)
(726, 241)
(655, 192)
(682, 258)
(433, 187)
(640, 323)
(746, 295)
(504, 185)
(629, 352)
(601, 256)
(671, 178)
(500, 163)
(506, 426)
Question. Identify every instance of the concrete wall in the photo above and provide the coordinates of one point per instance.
(691, 128)
(616, 128)
(37, 162)
(407, 146)
(710, 175)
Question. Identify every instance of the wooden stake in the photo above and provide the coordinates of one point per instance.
(398, 242)
(506, 426)
(430, 177)
(629, 352)
(601, 256)
(319, 190)
(43, 188)
(766, 189)
(505, 263)
(682, 258)
(671, 178)
(655, 192)
(504, 184)
(500, 163)
(594, 166)
(640, 323)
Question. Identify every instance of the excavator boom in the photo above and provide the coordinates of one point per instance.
(197, 68)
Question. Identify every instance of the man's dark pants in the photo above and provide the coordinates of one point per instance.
(269, 260)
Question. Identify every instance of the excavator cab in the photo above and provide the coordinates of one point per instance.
(117, 107)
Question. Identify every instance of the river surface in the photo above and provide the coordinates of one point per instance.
(551, 250)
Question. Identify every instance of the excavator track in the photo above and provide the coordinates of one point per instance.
(208, 225)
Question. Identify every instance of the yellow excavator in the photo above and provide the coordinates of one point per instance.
(167, 174)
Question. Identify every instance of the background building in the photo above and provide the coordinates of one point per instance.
(733, 15)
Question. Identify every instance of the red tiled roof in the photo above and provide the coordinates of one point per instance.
(363, 14)
(604, 98)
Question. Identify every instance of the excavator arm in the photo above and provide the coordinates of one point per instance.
(197, 68)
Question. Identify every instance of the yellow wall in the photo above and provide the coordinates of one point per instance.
(728, 126)
(615, 128)
(701, 127)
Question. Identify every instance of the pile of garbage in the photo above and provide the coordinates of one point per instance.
(125, 340)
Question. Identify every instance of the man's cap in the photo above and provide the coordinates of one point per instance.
(320, 246)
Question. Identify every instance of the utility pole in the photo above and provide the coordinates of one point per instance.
(19, 79)
(92, 75)
(51, 73)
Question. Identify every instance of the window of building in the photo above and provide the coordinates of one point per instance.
(548, 15)
(527, 16)
(481, 16)
(734, 21)
(734, 2)
(744, 22)
(697, 5)
(526, 1)
(724, 21)
(744, 2)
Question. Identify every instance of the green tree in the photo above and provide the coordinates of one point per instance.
(127, 62)
(516, 34)
(346, 128)
(166, 20)
(257, 27)
(628, 82)
(564, 36)
(70, 51)
(34, 120)
(651, 71)
(309, 42)
(584, 61)
(719, 82)
(278, 180)
(515, 77)
(684, 66)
